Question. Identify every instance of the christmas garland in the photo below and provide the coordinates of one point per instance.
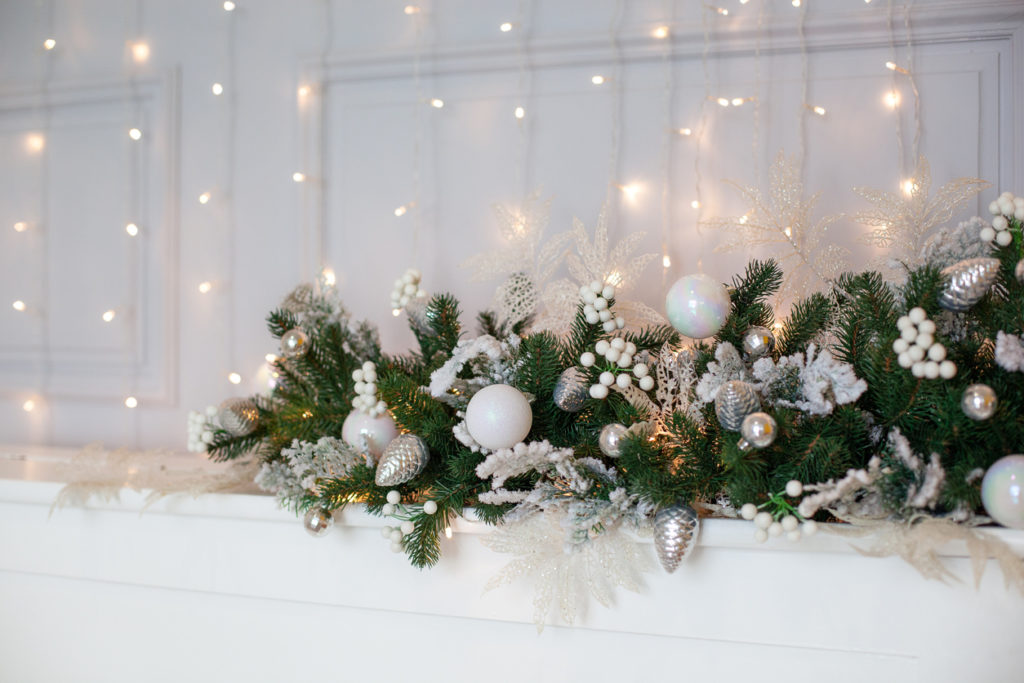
(872, 401)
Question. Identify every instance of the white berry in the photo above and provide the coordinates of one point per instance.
(386, 531)
(607, 378)
(646, 383)
(396, 547)
(394, 497)
(1004, 239)
(602, 346)
(587, 359)
(987, 234)
(640, 370)
(794, 488)
(926, 327)
(624, 380)
(396, 535)
(407, 527)
(763, 520)
(789, 523)
(608, 292)
(613, 354)
(947, 369)
(900, 345)
(775, 529)
(931, 370)
(388, 510)
(917, 315)
(609, 326)
(760, 535)
(917, 369)
(810, 527)
(748, 511)
(793, 535)
(598, 391)
(430, 507)
(937, 352)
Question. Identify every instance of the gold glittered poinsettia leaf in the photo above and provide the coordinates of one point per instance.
(903, 220)
(780, 224)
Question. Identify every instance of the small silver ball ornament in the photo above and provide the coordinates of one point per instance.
(979, 402)
(611, 438)
(238, 416)
(758, 341)
(294, 343)
(758, 431)
(317, 521)
(572, 390)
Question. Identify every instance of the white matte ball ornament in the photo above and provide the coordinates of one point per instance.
(1002, 491)
(498, 416)
(377, 431)
(697, 305)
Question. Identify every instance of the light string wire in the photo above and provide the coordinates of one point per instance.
(323, 162)
(668, 94)
(135, 150)
(895, 89)
(912, 75)
(230, 152)
(417, 141)
(524, 89)
(616, 113)
(755, 135)
(701, 133)
(804, 86)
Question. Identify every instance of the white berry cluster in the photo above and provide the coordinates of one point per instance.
(1004, 208)
(406, 289)
(619, 355)
(794, 526)
(596, 298)
(366, 391)
(200, 429)
(398, 533)
(918, 349)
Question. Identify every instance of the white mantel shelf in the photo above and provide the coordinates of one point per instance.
(229, 587)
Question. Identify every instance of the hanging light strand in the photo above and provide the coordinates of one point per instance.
(668, 92)
(523, 93)
(612, 200)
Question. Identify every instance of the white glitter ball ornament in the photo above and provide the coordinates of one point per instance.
(498, 416)
(373, 433)
(697, 305)
(1002, 491)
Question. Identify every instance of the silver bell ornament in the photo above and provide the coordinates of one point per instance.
(317, 521)
(238, 416)
(676, 528)
(572, 390)
(758, 341)
(294, 343)
(979, 402)
(967, 282)
(758, 431)
(610, 439)
(403, 458)
(735, 400)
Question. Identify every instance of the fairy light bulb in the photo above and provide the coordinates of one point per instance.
(788, 231)
(448, 532)
(35, 142)
(519, 112)
(722, 102)
(411, 9)
(270, 358)
(666, 262)
(686, 132)
(304, 90)
(234, 378)
(737, 101)
(401, 211)
(909, 187)
(229, 6)
(135, 133)
(820, 111)
(892, 99)
(721, 10)
(660, 32)
(330, 279)
(28, 406)
(217, 89)
(437, 103)
(204, 198)
(109, 315)
(597, 79)
(299, 177)
(506, 27)
(205, 287)
(695, 204)
(140, 52)
(131, 229)
(131, 402)
(19, 306)
(743, 219)
(20, 226)
(796, 3)
(631, 191)
(49, 44)
(396, 312)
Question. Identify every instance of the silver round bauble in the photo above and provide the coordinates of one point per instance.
(758, 341)
(238, 416)
(967, 282)
(317, 521)
(758, 431)
(676, 528)
(403, 458)
(610, 439)
(294, 343)
(735, 400)
(572, 390)
(979, 402)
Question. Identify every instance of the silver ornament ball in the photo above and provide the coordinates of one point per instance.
(572, 390)
(758, 341)
(676, 528)
(238, 416)
(294, 343)
(967, 282)
(317, 521)
(735, 400)
(610, 439)
(758, 431)
(403, 458)
(979, 402)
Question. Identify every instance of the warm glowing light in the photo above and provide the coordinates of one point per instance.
(506, 27)
(229, 6)
(737, 101)
(35, 142)
(401, 211)
(28, 406)
(396, 312)
(820, 111)
(109, 315)
(131, 402)
(20, 226)
(437, 103)
(205, 287)
(796, 3)
(520, 112)
(18, 305)
(893, 66)
(234, 378)
(909, 187)
(298, 177)
(304, 90)
(788, 230)
(330, 279)
(721, 10)
(723, 102)
(448, 532)
(695, 204)
(412, 9)
(660, 32)
(135, 133)
(777, 326)
(686, 131)
(743, 219)
(204, 198)
(666, 262)
(140, 52)
(892, 99)
(631, 191)
(743, 2)
(597, 80)
(217, 89)
(131, 229)
(49, 44)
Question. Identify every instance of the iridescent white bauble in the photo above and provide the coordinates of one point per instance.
(979, 402)
(1002, 491)
(498, 416)
(758, 431)
(373, 433)
(758, 341)
(610, 439)
(317, 521)
(697, 305)
(294, 343)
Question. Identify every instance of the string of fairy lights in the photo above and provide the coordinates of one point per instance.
(695, 133)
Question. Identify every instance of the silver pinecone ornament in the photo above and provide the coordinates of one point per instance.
(967, 282)
(403, 458)
(735, 400)
(572, 390)
(676, 528)
(238, 416)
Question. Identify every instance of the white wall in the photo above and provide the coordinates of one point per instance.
(356, 137)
